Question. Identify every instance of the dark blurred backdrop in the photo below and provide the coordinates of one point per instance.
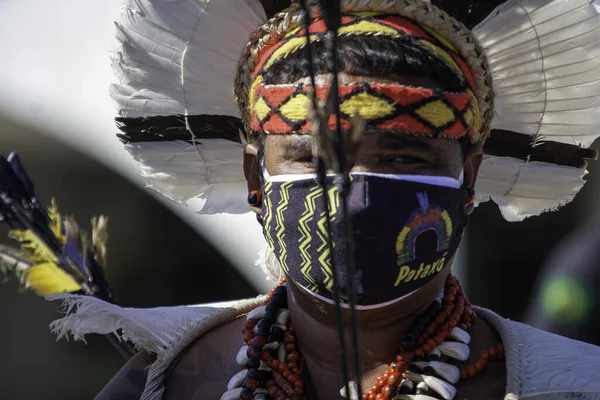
(156, 260)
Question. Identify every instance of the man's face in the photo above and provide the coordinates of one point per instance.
(384, 153)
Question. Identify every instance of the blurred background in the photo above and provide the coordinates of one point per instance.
(55, 111)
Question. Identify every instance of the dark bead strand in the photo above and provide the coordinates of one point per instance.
(256, 379)
(285, 381)
(422, 321)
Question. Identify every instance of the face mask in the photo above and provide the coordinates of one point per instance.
(405, 228)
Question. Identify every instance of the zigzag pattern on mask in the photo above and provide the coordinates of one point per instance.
(268, 215)
(306, 238)
(280, 228)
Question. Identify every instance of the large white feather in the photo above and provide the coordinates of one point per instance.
(181, 56)
(545, 58)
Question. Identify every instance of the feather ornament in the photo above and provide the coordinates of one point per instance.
(60, 256)
(55, 257)
(179, 57)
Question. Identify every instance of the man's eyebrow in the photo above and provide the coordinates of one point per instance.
(398, 141)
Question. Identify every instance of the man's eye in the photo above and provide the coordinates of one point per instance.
(406, 160)
(305, 158)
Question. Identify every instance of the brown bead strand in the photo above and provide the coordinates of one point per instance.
(268, 297)
(494, 353)
(442, 322)
(452, 311)
(289, 370)
(247, 333)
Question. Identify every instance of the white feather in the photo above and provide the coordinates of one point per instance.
(545, 61)
(181, 56)
(523, 189)
(207, 176)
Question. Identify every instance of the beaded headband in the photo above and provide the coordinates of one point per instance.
(284, 109)
(279, 109)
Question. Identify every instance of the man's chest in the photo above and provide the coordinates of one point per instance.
(490, 384)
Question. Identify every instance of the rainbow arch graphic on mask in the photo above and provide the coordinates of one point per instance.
(427, 218)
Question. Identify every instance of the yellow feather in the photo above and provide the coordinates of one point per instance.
(56, 222)
(48, 278)
(45, 277)
(35, 249)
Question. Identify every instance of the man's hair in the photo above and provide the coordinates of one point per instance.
(372, 56)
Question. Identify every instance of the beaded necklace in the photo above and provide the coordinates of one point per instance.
(275, 365)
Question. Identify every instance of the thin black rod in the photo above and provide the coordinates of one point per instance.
(322, 175)
(342, 171)
(123, 347)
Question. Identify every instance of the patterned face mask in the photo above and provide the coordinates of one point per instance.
(405, 228)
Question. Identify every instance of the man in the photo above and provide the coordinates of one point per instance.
(416, 101)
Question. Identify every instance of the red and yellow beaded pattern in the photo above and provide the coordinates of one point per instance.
(281, 109)
(284, 109)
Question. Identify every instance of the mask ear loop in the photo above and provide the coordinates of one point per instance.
(470, 191)
(470, 196)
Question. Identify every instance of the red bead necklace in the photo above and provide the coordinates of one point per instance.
(284, 381)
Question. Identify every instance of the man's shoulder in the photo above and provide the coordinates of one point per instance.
(203, 369)
(541, 362)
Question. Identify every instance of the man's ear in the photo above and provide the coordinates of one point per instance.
(473, 160)
(252, 173)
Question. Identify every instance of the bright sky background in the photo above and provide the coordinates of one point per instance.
(54, 76)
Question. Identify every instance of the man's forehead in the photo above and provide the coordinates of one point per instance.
(303, 143)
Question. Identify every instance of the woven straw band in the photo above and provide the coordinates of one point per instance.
(457, 48)
(284, 109)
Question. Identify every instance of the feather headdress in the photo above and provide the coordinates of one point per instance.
(178, 61)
